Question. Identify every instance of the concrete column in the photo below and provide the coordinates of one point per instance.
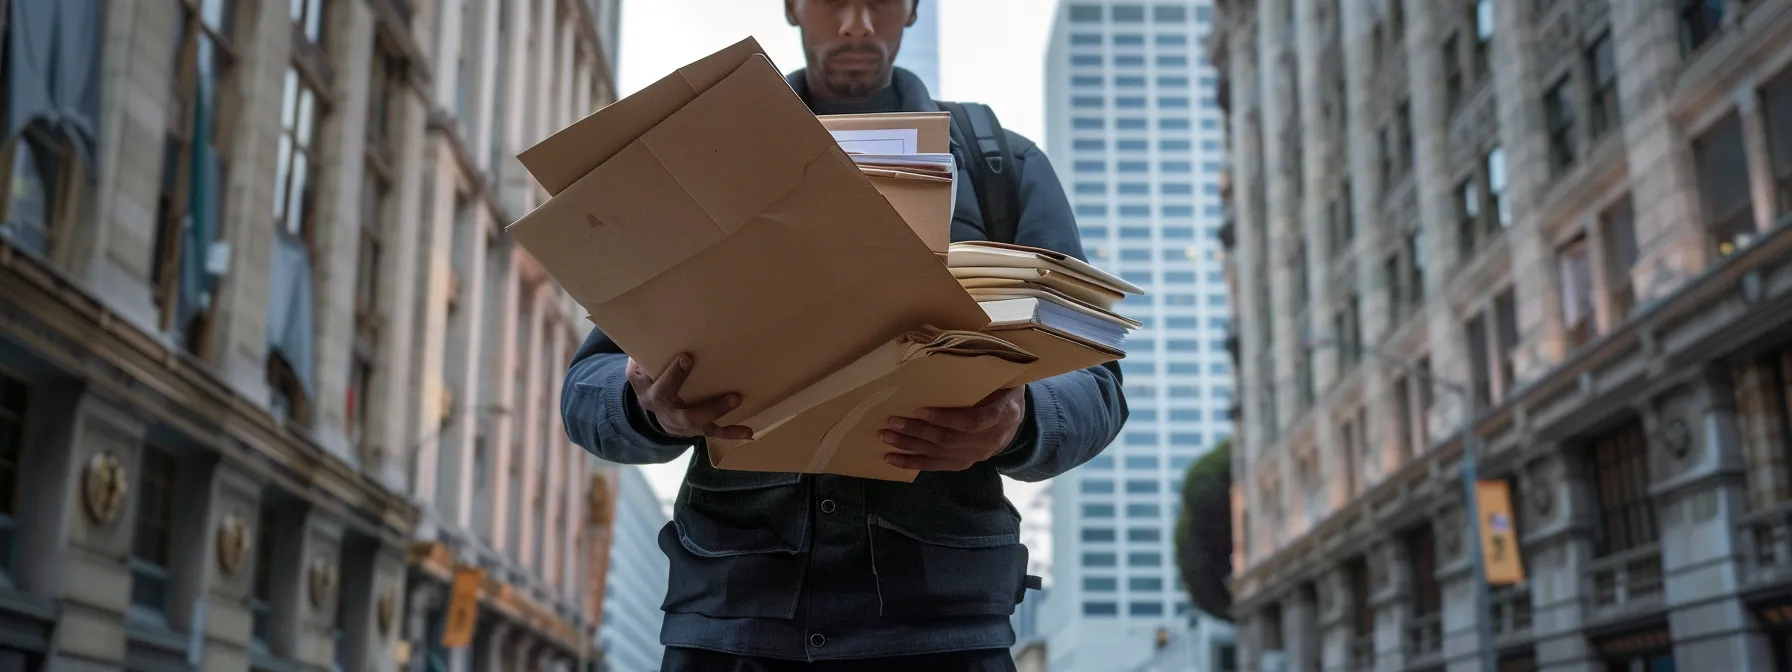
(1559, 513)
(1390, 593)
(1518, 91)
(1701, 489)
(1755, 144)
(342, 145)
(238, 339)
(541, 62)
(399, 293)
(424, 599)
(436, 251)
(486, 65)
(234, 495)
(1336, 623)
(1280, 117)
(553, 442)
(466, 355)
(1461, 622)
(89, 554)
(531, 448)
(448, 48)
(498, 636)
(564, 69)
(1669, 227)
(1300, 630)
(117, 256)
(505, 450)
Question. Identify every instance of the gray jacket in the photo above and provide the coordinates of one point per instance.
(834, 567)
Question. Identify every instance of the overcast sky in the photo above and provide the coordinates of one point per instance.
(991, 51)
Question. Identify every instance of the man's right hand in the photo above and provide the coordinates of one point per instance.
(659, 397)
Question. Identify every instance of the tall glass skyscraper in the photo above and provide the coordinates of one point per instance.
(1136, 136)
(920, 53)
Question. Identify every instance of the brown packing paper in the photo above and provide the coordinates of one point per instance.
(840, 436)
(666, 241)
(1058, 353)
(925, 202)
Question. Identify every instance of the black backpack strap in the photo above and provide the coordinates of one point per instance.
(994, 169)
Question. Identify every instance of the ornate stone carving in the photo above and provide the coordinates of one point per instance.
(1676, 438)
(104, 485)
(386, 612)
(320, 578)
(1541, 491)
(233, 543)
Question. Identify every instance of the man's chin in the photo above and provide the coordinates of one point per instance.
(856, 87)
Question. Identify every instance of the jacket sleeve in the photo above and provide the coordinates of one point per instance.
(601, 413)
(1073, 417)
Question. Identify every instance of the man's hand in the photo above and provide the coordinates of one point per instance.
(659, 397)
(953, 439)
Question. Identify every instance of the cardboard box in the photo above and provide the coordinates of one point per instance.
(711, 213)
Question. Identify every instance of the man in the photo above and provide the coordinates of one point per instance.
(786, 571)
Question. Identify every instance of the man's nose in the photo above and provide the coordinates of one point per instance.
(855, 19)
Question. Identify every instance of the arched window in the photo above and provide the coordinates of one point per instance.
(34, 176)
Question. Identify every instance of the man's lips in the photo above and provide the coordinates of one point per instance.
(854, 61)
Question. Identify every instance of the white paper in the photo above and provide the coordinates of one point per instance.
(880, 141)
(217, 258)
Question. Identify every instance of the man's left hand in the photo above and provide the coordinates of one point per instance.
(953, 439)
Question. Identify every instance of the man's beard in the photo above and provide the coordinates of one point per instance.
(856, 84)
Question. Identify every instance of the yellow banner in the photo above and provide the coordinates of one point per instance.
(1499, 533)
(463, 607)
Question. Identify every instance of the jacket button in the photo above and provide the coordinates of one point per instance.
(816, 640)
(827, 506)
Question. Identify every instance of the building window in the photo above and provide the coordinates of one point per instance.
(1098, 535)
(1350, 462)
(261, 590)
(1620, 469)
(1617, 227)
(193, 169)
(1338, 222)
(1700, 20)
(1603, 68)
(1403, 137)
(1085, 14)
(1405, 422)
(152, 536)
(1097, 487)
(1427, 598)
(1558, 118)
(1099, 609)
(1145, 559)
(1574, 262)
(1129, 13)
(309, 16)
(1723, 185)
(1776, 109)
(32, 200)
(1142, 510)
(14, 394)
(1100, 584)
(1144, 535)
(1483, 20)
(1169, 14)
(1145, 609)
(1362, 649)
(1468, 217)
(1098, 510)
(1100, 559)
(1496, 185)
(1452, 62)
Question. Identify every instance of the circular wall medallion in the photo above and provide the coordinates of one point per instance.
(104, 485)
(1677, 437)
(233, 543)
(322, 579)
(387, 611)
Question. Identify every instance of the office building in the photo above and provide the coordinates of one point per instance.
(252, 273)
(1203, 644)
(636, 577)
(1551, 231)
(1135, 135)
(920, 52)
(503, 488)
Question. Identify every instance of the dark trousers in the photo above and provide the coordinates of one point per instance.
(699, 660)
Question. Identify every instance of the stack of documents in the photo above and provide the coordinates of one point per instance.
(798, 260)
(1030, 288)
(907, 156)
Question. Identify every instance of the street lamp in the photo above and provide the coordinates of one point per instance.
(1471, 459)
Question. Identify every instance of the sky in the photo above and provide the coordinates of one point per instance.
(991, 51)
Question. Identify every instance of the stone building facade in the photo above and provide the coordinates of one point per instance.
(270, 370)
(1561, 225)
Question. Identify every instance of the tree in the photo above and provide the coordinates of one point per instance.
(1204, 532)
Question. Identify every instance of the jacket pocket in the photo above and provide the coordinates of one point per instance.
(738, 544)
(925, 573)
